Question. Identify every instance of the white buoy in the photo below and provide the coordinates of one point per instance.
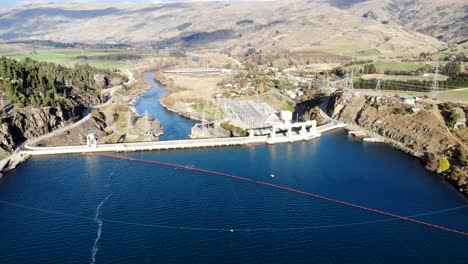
(232, 230)
(272, 175)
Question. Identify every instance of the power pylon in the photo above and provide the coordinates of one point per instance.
(346, 83)
(351, 81)
(129, 121)
(378, 86)
(147, 122)
(435, 83)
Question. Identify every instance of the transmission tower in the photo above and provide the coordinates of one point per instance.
(333, 86)
(203, 124)
(129, 121)
(322, 86)
(378, 86)
(346, 82)
(147, 122)
(351, 81)
(435, 83)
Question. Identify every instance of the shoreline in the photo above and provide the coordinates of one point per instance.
(400, 147)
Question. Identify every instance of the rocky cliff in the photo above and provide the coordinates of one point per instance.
(22, 124)
(434, 133)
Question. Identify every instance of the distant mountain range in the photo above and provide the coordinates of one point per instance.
(335, 26)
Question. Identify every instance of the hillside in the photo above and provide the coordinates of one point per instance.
(442, 19)
(316, 25)
(39, 97)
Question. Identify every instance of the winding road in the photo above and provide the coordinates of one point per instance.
(86, 117)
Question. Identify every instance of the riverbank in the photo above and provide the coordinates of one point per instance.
(189, 95)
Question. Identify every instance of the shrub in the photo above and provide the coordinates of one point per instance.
(444, 165)
(463, 158)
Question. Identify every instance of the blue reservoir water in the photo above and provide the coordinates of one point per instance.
(174, 125)
(87, 209)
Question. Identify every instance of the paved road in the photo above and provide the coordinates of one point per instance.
(86, 114)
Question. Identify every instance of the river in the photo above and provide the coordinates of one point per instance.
(174, 125)
(85, 209)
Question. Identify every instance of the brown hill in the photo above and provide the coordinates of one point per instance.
(333, 26)
(446, 20)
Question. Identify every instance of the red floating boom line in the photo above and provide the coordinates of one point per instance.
(286, 189)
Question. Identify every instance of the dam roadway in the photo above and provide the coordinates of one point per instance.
(167, 145)
(145, 146)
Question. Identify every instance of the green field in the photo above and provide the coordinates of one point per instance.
(381, 66)
(397, 66)
(454, 96)
(400, 77)
(365, 53)
(69, 57)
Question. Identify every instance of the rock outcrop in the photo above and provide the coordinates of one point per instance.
(424, 130)
(22, 124)
(104, 82)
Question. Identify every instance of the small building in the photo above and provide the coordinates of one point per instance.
(91, 140)
(408, 100)
(414, 110)
(292, 95)
(286, 116)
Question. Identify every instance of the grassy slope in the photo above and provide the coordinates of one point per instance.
(70, 56)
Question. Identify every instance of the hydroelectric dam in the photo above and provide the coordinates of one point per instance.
(93, 147)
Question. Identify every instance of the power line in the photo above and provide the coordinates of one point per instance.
(92, 219)
(428, 88)
(411, 83)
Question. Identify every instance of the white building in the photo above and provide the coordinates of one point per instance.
(409, 100)
(286, 116)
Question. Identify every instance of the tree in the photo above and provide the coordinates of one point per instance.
(423, 56)
(463, 157)
(339, 71)
(32, 79)
(451, 69)
(444, 165)
(370, 69)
